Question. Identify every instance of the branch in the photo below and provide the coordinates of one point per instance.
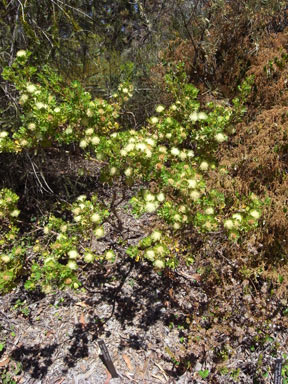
(143, 15)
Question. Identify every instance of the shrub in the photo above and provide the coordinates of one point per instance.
(175, 151)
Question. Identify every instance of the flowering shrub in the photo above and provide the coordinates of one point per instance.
(8, 216)
(55, 114)
(173, 153)
(11, 256)
(66, 244)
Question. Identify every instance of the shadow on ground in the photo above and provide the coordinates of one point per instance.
(141, 305)
(137, 296)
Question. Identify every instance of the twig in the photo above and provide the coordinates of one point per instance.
(76, 9)
(22, 8)
(162, 370)
(42, 176)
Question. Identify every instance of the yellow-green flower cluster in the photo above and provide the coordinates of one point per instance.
(125, 91)
(89, 215)
(53, 116)
(175, 215)
(151, 248)
(6, 145)
(8, 206)
(245, 219)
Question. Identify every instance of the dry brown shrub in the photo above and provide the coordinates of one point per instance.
(270, 90)
(256, 158)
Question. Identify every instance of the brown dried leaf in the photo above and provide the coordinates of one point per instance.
(171, 293)
(81, 304)
(4, 362)
(82, 320)
(128, 362)
(109, 377)
(60, 381)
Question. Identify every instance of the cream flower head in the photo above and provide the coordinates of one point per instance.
(73, 254)
(72, 265)
(175, 151)
(161, 197)
(220, 138)
(88, 257)
(99, 232)
(159, 264)
(95, 140)
(256, 214)
(150, 207)
(156, 235)
(110, 255)
(195, 195)
(209, 211)
(95, 218)
(154, 120)
(89, 131)
(204, 166)
(128, 172)
(21, 53)
(192, 183)
(113, 170)
(23, 98)
(83, 143)
(150, 254)
(31, 88)
(228, 224)
(160, 108)
(149, 197)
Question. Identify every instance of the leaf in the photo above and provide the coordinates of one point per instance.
(128, 362)
(82, 320)
(4, 362)
(204, 374)
(171, 293)
(81, 304)
(109, 377)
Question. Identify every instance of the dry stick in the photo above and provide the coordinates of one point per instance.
(113, 210)
(14, 37)
(43, 178)
(123, 197)
(35, 173)
(133, 115)
(76, 9)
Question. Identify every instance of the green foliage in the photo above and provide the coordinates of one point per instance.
(175, 149)
(59, 251)
(277, 64)
(53, 114)
(8, 374)
(20, 306)
(204, 374)
(11, 255)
